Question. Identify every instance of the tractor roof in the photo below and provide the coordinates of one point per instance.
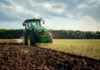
(29, 20)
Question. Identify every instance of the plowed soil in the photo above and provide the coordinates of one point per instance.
(15, 56)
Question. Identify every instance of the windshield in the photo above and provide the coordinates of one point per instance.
(34, 24)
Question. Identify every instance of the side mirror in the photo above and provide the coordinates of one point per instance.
(24, 24)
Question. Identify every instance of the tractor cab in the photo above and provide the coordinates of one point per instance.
(32, 23)
(34, 32)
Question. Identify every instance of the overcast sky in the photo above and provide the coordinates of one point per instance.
(81, 15)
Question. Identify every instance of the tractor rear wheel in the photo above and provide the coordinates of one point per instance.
(31, 40)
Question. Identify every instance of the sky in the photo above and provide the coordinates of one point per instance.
(81, 15)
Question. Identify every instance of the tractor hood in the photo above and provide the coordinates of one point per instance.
(40, 28)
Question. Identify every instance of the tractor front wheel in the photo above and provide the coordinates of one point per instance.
(30, 40)
(24, 40)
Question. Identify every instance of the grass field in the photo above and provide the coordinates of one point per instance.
(85, 47)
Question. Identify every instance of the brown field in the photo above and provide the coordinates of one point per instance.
(15, 56)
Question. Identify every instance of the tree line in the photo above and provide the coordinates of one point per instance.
(10, 34)
(57, 34)
(70, 34)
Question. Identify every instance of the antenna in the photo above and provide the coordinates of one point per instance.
(41, 18)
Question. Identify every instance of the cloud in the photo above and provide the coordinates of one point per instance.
(16, 12)
(66, 14)
(93, 1)
(83, 23)
(53, 7)
(86, 23)
(11, 25)
(82, 6)
(26, 9)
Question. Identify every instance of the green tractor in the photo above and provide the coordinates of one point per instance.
(35, 33)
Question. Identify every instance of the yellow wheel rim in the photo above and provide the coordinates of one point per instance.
(28, 41)
(23, 39)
